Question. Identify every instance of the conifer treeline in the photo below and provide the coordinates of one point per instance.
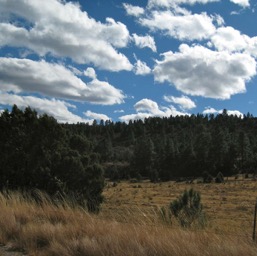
(72, 159)
(38, 153)
(180, 146)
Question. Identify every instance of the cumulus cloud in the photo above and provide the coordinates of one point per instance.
(228, 38)
(54, 80)
(184, 102)
(200, 71)
(141, 68)
(133, 10)
(90, 72)
(210, 110)
(147, 108)
(96, 116)
(182, 27)
(145, 41)
(170, 3)
(56, 108)
(64, 30)
(232, 40)
(243, 3)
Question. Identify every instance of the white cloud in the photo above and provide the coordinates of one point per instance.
(119, 111)
(96, 116)
(54, 80)
(243, 3)
(230, 39)
(90, 72)
(75, 71)
(145, 41)
(56, 108)
(64, 30)
(184, 102)
(171, 3)
(141, 68)
(210, 110)
(182, 27)
(252, 47)
(133, 10)
(147, 108)
(200, 71)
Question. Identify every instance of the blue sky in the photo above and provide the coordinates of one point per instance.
(97, 59)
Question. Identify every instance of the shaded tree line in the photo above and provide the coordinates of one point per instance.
(177, 146)
(36, 152)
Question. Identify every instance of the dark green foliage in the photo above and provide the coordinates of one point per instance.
(207, 178)
(38, 153)
(187, 209)
(219, 178)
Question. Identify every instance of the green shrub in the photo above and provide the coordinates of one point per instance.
(219, 178)
(188, 210)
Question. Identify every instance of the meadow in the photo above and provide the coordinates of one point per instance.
(130, 222)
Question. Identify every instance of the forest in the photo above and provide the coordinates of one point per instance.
(37, 152)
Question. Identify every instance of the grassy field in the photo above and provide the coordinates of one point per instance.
(130, 223)
(229, 206)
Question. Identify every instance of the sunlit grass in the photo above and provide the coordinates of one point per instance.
(48, 229)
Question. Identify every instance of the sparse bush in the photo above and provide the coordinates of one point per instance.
(207, 178)
(187, 209)
(219, 178)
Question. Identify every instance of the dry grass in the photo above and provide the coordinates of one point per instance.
(229, 207)
(49, 230)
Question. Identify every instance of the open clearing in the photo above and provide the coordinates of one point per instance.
(229, 206)
(130, 224)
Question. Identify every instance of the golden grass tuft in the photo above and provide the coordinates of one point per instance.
(48, 229)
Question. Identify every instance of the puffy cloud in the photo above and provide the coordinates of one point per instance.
(56, 108)
(243, 3)
(133, 10)
(230, 39)
(182, 27)
(96, 116)
(200, 71)
(145, 41)
(141, 68)
(54, 80)
(147, 108)
(90, 72)
(184, 102)
(210, 110)
(252, 47)
(64, 30)
(169, 3)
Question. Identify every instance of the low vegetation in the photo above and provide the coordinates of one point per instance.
(47, 230)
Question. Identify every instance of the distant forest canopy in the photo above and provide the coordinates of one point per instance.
(38, 152)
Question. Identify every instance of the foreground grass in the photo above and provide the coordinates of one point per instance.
(66, 230)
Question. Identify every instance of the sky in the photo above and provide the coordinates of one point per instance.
(86, 60)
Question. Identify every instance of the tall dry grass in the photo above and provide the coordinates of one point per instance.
(51, 230)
